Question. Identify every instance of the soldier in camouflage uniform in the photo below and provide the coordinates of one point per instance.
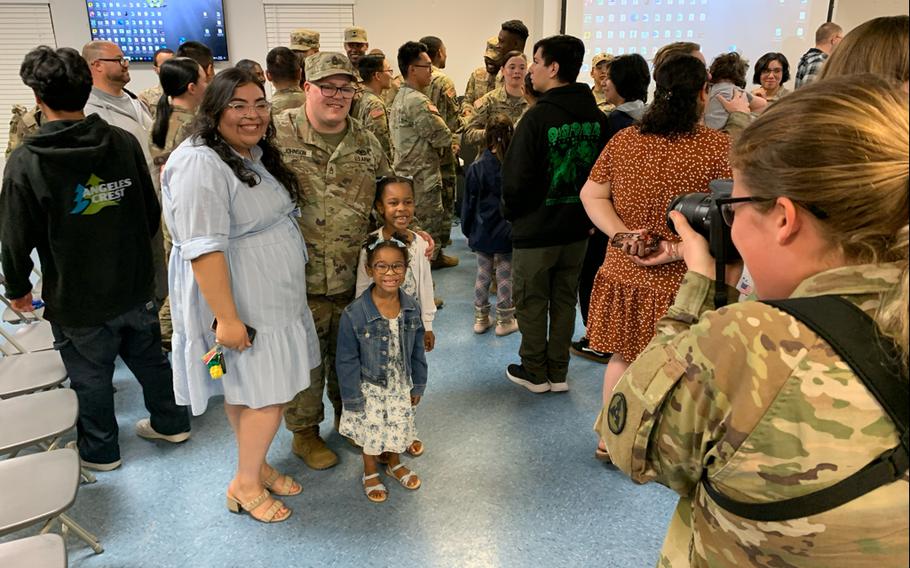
(337, 162)
(181, 110)
(748, 395)
(441, 93)
(388, 94)
(483, 79)
(22, 123)
(284, 72)
(600, 70)
(508, 100)
(371, 111)
(420, 137)
(304, 43)
(152, 95)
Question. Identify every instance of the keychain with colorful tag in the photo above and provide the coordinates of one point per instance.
(214, 360)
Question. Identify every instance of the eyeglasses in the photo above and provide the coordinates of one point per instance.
(394, 268)
(123, 60)
(243, 109)
(424, 65)
(770, 70)
(728, 212)
(329, 91)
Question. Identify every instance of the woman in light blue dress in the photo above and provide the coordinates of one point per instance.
(238, 257)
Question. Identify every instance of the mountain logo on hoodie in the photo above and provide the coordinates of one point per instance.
(95, 195)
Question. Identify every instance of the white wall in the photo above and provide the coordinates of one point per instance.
(464, 26)
(851, 13)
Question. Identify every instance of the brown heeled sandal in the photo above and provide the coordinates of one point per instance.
(271, 514)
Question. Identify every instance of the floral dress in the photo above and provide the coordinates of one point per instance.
(387, 421)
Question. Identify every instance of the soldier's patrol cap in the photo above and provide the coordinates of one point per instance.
(355, 34)
(304, 40)
(327, 63)
(492, 51)
(600, 58)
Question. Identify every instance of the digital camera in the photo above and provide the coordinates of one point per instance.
(703, 213)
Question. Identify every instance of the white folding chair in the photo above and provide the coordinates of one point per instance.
(39, 488)
(39, 419)
(34, 332)
(22, 372)
(42, 551)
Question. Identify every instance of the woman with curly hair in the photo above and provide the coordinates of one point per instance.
(229, 203)
(638, 174)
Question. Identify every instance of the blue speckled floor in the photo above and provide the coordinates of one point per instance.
(509, 479)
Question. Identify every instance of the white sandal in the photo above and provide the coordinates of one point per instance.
(374, 488)
(403, 480)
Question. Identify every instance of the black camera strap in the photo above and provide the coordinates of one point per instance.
(875, 359)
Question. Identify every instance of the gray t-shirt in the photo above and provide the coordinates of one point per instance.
(124, 102)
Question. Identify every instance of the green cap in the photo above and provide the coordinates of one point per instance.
(327, 63)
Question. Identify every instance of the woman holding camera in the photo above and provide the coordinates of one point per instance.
(638, 174)
(746, 407)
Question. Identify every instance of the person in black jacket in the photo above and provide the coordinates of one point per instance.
(79, 192)
(556, 143)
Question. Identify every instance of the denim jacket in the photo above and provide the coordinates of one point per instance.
(362, 353)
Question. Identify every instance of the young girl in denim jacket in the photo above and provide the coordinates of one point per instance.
(382, 368)
(395, 208)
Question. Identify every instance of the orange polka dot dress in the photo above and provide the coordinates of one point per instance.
(645, 172)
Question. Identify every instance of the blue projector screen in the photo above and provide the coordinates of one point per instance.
(142, 26)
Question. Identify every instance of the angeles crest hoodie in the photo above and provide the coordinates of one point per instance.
(79, 192)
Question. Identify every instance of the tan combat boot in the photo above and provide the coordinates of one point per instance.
(309, 447)
(444, 261)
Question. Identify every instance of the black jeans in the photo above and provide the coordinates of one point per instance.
(594, 259)
(89, 353)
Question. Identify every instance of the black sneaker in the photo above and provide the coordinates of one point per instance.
(518, 375)
(582, 349)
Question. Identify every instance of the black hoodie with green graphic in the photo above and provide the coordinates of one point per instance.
(554, 147)
(79, 192)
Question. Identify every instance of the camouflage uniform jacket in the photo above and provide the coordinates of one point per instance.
(495, 102)
(177, 131)
(150, 97)
(441, 93)
(374, 115)
(283, 99)
(479, 84)
(337, 190)
(760, 401)
(388, 95)
(601, 101)
(419, 136)
(22, 123)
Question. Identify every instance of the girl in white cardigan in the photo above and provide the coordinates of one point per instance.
(395, 206)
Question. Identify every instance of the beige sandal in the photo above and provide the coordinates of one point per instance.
(378, 488)
(287, 480)
(403, 480)
(271, 514)
(416, 448)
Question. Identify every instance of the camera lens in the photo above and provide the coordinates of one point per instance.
(696, 208)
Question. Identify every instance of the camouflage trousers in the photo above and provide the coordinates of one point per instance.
(432, 217)
(164, 314)
(447, 169)
(307, 409)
